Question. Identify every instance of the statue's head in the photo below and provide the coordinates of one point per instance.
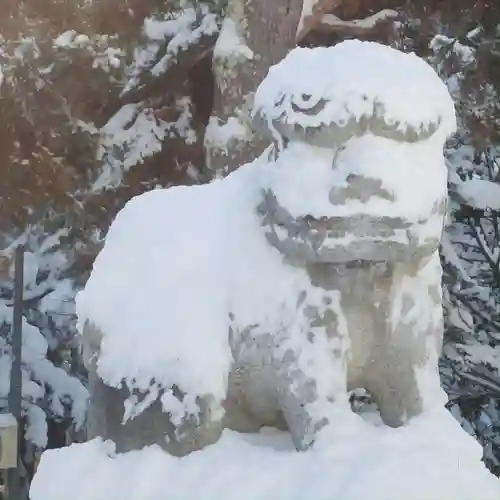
(378, 119)
(327, 95)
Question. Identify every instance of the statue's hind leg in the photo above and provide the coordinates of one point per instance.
(151, 426)
(403, 371)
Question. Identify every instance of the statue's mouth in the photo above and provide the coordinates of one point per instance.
(306, 239)
(359, 225)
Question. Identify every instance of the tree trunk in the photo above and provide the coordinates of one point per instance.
(255, 35)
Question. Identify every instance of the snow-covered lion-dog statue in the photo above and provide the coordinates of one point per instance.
(262, 298)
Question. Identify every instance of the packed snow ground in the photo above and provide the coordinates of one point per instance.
(431, 458)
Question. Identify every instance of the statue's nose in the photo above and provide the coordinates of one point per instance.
(359, 188)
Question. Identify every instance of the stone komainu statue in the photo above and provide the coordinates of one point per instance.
(353, 202)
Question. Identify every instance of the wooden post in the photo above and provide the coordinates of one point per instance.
(15, 394)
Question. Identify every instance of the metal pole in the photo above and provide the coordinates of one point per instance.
(15, 394)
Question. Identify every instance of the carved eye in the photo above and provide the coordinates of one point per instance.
(280, 100)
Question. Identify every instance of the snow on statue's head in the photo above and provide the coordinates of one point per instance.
(360, 129)
(326, 96)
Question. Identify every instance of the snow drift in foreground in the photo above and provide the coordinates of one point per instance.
(431, 458)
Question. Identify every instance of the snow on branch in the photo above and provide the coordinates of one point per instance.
(312, 11)
(481, 194)
(330, 22)
(136, 132)
(316, 15)
(165, 39)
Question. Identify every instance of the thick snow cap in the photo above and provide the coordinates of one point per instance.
(325, 96)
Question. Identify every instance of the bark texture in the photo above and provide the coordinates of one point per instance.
(266, 30)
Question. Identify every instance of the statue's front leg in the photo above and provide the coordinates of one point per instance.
(390, 378)
(311, 366)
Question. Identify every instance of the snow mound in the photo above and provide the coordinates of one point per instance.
(431, 458)
(356, 80)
